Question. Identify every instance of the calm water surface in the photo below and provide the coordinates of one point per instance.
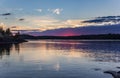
(59, 59)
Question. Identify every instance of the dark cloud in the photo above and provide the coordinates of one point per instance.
(114, 19)
(22, 19)
(14, 27)
(32, 30)
(6, 14)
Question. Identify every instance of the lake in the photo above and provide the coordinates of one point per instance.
(59, 59)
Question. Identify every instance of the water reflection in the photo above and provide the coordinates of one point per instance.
(17, 47)
(59, 59)
(102, 51)
(5, 49)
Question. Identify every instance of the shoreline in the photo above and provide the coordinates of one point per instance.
(13, 42)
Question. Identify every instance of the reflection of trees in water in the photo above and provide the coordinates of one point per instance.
(103, 51)
(5, 49)
(17, 47)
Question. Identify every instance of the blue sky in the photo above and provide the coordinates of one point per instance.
(72, 8)
(52, 14)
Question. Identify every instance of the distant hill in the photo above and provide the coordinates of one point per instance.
(88, 30)
(81, 37)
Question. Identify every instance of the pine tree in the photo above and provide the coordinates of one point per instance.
(8, 32)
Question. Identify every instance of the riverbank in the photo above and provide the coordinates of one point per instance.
(11, 41)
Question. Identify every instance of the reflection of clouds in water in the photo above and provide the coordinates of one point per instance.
(40, 68)
(21, 58)
(57, 67)
(106, 57)
(104, 51)
(49, 59)
(47, 50)
(7, 64)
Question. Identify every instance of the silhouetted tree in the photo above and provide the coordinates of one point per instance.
(17, 35)
(2, 31)
(7, 37)
(8, 32)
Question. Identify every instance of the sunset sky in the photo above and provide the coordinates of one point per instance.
(44, 15)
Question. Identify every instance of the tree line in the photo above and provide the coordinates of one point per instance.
(6, 36)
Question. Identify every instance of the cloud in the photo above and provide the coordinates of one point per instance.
(48, 22)
(57, 11)
(43, 23)
(73, 23)
(21, 19)
(2, 25)
(39, 10)
(25, 28)
(6, 14)
(107, 19)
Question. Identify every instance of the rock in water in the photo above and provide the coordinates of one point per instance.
(113, 73)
